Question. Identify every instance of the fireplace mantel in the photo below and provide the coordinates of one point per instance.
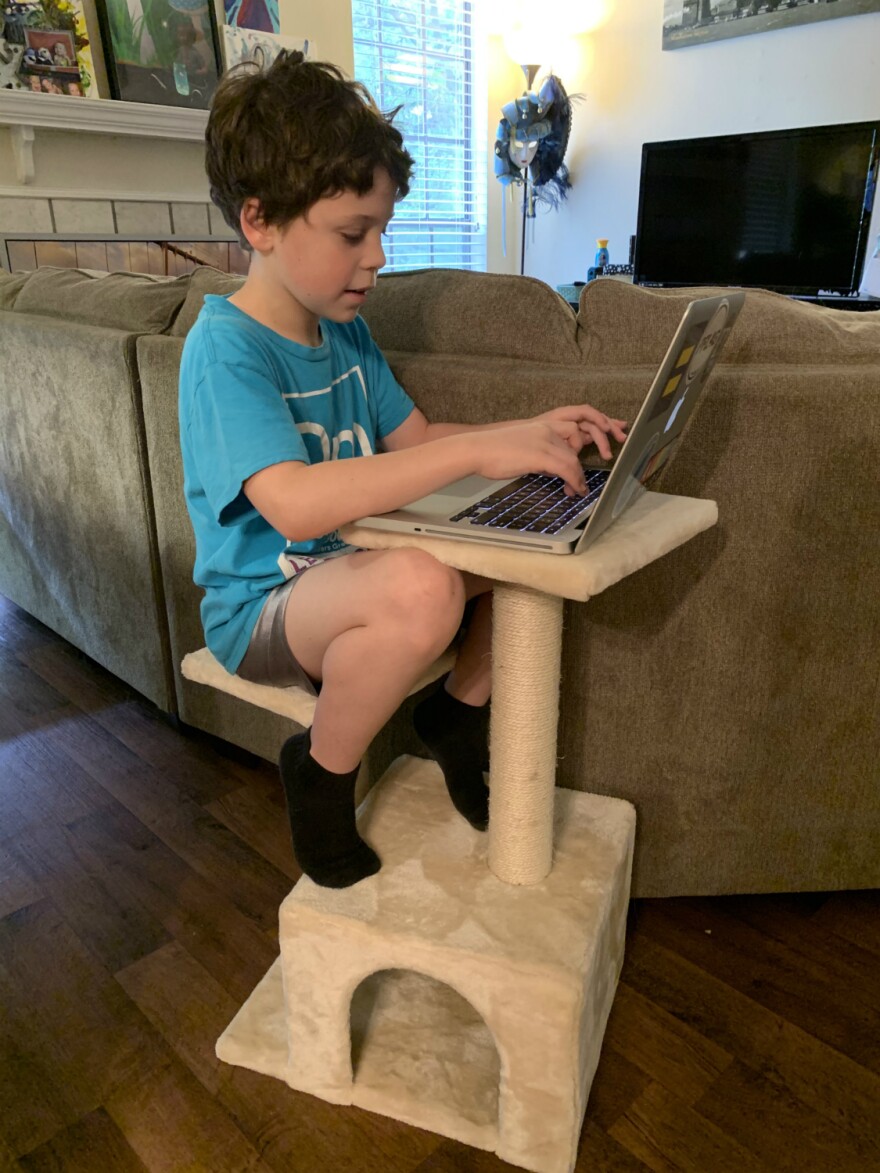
(25, 113)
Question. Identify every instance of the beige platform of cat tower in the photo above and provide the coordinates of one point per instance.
(465, 987)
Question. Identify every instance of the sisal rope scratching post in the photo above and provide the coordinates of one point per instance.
(526, 650)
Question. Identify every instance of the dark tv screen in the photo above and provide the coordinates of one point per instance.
(785, 210)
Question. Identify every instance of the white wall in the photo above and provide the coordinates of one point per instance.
(802, 76)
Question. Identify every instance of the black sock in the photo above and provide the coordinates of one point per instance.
(454, 733)
(320, 806)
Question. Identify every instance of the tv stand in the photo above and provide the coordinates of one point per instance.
(860, 301)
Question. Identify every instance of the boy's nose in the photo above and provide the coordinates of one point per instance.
(375, 258)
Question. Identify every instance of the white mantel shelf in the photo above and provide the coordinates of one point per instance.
(24, 112)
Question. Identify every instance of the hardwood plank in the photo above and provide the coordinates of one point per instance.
(148, 874)
(172, 1123)
(139, 256)
(775, 975)
(24, 689)
(155, 258)
(22, 255)
(214, 253)
(17, 886)
(668, 1136)
(59, 253)
(451, 1156)
(32, 1107)
(90, 1145)
(258, 816)
(19, 631)
(139, 726)
(116, 931)
(190, 1010)
(91, 254)
(666, 1049)
(791, 921)
(830, 1083)
(77, 677)
(855, 916)
(617, 1083)
(185, 1005)
(39, 783)
(600, 1153)
(65, 1015)
(158, 799)
(119, 256)
(780, 1129)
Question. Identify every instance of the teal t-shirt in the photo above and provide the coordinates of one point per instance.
(250, 398)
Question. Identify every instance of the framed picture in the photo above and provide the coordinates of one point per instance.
(261, 15)
(692, 22)
(44, 48)
(240, 45)
(163, 52)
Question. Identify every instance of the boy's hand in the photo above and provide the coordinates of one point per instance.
(541, 445)
(594, 426)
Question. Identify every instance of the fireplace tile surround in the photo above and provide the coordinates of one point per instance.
(53, 229)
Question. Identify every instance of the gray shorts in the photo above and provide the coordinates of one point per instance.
(268, 659)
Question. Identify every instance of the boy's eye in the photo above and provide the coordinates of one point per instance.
(353, 238)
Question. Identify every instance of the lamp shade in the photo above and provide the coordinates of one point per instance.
(530, 39)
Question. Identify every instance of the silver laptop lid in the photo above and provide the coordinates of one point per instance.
(657, 430)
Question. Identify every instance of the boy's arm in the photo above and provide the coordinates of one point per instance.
(304, 501)
(594, 426)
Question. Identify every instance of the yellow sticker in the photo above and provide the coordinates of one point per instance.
(684, 357)
(671, 385)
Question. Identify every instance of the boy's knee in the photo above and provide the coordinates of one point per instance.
(429, 596)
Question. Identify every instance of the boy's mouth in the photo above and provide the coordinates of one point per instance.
(360, 292)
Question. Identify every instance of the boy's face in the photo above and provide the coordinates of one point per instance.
(328, 258)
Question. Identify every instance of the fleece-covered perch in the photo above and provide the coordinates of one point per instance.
(464, 998)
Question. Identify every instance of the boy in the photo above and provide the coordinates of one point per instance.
(284, 400)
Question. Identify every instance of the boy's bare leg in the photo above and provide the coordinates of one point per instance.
(470, 681)
(367, 625)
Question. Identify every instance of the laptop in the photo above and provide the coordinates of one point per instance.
(532, 512)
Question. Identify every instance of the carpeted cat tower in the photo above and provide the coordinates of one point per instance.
(465, 987)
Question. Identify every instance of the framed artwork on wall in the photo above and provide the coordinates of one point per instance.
(163, 52)
(693, 22)
(261, 15)
(44, 48)
(241, 44)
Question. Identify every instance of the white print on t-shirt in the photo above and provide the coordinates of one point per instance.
(330, 448)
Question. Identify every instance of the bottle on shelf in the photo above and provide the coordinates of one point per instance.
(602, 258)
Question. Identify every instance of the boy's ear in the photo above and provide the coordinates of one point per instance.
(255, 230)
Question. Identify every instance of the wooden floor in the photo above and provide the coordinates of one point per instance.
(141, 868)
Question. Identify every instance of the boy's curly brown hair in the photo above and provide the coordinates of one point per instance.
(294, 133)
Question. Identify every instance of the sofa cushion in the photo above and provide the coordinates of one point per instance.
(10, 287)
(771, 329)
(452, 311)
(203, 280)
(135, 302)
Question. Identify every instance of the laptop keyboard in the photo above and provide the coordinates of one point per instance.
(535, 503)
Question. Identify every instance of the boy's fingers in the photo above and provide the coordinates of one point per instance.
(600, 440)
(569, 432)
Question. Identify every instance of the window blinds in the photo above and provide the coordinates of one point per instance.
(421, 55)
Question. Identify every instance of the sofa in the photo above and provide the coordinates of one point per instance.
(729, 690)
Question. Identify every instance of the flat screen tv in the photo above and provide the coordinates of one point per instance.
(787, 210)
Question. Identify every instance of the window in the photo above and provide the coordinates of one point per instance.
(420, 55)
